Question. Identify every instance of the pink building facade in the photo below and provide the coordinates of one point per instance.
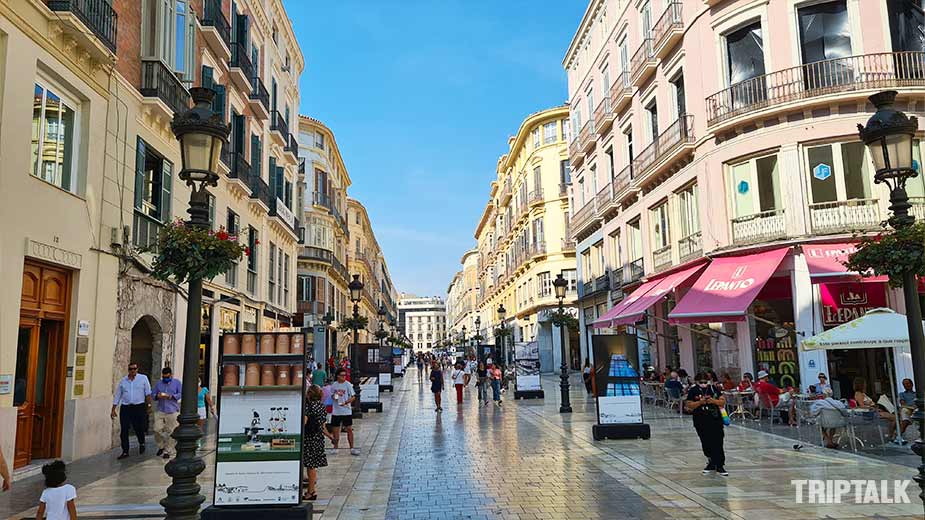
(710, 129)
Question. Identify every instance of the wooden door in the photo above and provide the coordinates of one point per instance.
(41, 358)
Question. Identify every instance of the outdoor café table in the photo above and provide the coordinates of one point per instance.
(738, 399)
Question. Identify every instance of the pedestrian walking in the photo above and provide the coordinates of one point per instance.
(467, 372)
(586, 376)
(5, 473)
(342, 412)
(420, 365)
(204, 405)
(436, 384)
(316, 430)
(459, 381)
(481, 382)
(58, 500)
(167, 393)
(133, 398)
(706, 405)
(319, 375)
(494, 374)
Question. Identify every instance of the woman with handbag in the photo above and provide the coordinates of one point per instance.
(707, 406)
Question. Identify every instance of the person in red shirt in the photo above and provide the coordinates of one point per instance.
(728, 383)
(769, 394)
(746, 383)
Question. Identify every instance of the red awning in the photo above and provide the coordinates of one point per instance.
(727, 287)
(606, 320)
(825, 262)
(635, 311)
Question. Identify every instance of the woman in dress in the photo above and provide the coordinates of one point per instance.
(436, 384)
(315, 431)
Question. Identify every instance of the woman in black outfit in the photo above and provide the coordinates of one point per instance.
(706, 404)
(316, 430)
(436, 384)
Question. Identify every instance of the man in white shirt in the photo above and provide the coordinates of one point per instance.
(133, 397)
(343, 395)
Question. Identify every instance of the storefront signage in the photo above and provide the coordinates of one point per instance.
(844, 302)
(52, 254)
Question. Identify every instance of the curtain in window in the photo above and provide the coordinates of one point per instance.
(745, 52)
(825, 35)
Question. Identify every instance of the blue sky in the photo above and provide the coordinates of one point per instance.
(422, 96)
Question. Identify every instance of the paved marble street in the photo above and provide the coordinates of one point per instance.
(522, 461)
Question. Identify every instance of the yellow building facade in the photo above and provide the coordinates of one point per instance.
(522, 237)
(365, 258)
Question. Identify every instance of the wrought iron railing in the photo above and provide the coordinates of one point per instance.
(586, 135)
(260, 190)
(854, 73)
(157, 80)
(621, 181)
(212, 16)
(623, 86)
(292, 146)
(563, 189)
(635, 270)
(844, 216)
(668, 22)
(321, 199)
(241, 60)
(278, 124)
(602, 282)
(240, 169)
(260, 93)
(616, 278)
(583, 215)
(603, 196)
(661, 257)
(644, 55)
(690, 246)
(316, 253)
(679, 133)
(536, 196)
(97, 15)
(759, 227)
(603, 113)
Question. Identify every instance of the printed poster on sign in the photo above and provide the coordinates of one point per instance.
(527, 366)
(619, 409)
(369, 393)
(385, 379)
(257, 482)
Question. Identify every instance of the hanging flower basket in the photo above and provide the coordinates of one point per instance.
(563, 319)
(891, 253)
(381, 334)
(184, 253)
(348, 324)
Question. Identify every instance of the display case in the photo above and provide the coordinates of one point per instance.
(616, 388)
(260, 401)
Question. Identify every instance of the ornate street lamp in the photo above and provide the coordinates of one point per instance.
(888, 135)
(462, 340)
(356, 289)
(502, 312)
(560, 284)
(478, 332)
(201, 133)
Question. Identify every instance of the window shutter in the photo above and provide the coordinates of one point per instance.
(256, 154)
(271, 176)
(211, 212)
(218, 102)
(207, 79)
(139, 173)
(280, 183)
(166, 184)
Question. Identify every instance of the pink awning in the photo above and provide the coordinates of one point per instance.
(727, 287)
(635, 311)
(606, 320)
(825, 263)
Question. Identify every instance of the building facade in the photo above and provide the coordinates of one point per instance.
(462, 294)
(712, 133)
(522, 239)
(322, 271)
(424, 319)
(365, 259)
(105, 79)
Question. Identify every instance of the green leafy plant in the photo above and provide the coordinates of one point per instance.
(350, 323)
(563, 319)
(184, 252)
(381, 334)
(891, 253)
(503, 332)
(477, 338)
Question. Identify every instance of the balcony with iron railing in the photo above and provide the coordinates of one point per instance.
(672, 144)
(321, 200)
(603, 116)
(340, 268)
(161, 88)
(844, 216)
(563, 190)
(260, 192)
(535, 197)
(76, 16)
(620, 184)
(621, 92)
(587, 289)
(583, 216)
(292, 148)
(918, 207)
(854, 77)
(643, 62)
(240, 67)
(215, 28)
(668, 30)
(279, 128)
(661, 257)
(240, 170)
(602, 282)
(587, 137)
(568, 244)
(506, 191)
(317, 254)
(341, 221)
(575, 152)
(634, 271)
(690, 247)
(760, 227)
(259, 99)
(616, 279)
(603, 197)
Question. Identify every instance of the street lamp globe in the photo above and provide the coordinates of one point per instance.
(889, 135)
(355, 286)
(202, 134)
(501, 312)
(561, 285)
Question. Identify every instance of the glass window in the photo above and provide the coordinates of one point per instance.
(549, 133)
(53, 138)
(822, 174)
(745, 61)
(857, 170)
(687, 207)
(536, 137)
(660, 225)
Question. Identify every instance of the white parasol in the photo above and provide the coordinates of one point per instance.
(878, 328)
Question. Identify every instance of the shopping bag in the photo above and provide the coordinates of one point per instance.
(726, 421)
